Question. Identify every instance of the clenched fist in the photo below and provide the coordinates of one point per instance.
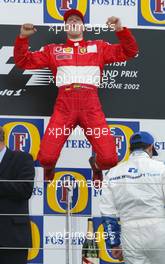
(27, 30)
(114, 22)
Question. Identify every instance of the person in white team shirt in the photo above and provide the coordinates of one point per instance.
(136, 194)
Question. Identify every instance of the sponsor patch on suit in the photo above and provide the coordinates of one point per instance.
(91, 48)
(64, 56)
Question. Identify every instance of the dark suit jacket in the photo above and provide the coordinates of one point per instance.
(15, 230)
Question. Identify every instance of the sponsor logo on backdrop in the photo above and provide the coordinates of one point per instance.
(21, 1)
(151, 12)
(37, 191)
(105, 254)
(37, 77)
(114, 2)
(122, 131)
(9, 92)
(6, 52)
(56, 192)
(59, 238)
(36, 254)
(97, 192)
(160, 145)
(77, 144)
(55, 9)
(23, 134)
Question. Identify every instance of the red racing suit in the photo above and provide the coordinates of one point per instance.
(77, 68)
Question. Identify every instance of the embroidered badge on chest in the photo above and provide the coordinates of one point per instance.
(57, 50)
(68, 50)
(64, 57)
(91, 48)
(82, 50)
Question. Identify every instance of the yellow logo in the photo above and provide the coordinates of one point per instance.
(34, 251)
(81, 201)
(68, 50)
(54, 9)
(151, 12)
(104, 256)
(32, 131)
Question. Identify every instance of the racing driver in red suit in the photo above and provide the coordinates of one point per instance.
(77, 67)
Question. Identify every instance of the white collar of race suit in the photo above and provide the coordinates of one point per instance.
(72, 43)
(139, 153)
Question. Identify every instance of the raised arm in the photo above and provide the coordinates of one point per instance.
(26, 59)
(125, 50)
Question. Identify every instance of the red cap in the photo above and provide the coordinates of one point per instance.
(73, 12)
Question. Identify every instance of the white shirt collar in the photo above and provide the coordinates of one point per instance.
(139, 152)
(2, 153)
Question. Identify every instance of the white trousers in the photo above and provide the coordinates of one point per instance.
(143, 241)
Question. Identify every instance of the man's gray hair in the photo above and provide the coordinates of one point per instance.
(2, 135)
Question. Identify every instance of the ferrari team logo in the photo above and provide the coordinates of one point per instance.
(83, 50)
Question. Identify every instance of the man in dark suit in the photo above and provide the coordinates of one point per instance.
(16, 185)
